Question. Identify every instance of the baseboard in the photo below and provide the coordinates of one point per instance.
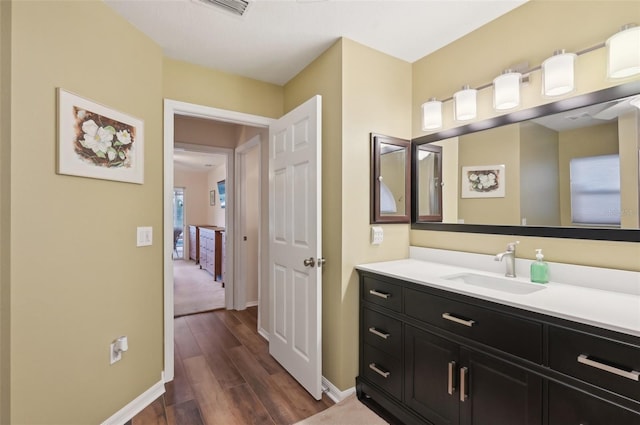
(334, 393)
(251, 304)
(263, 333)
(136, 406)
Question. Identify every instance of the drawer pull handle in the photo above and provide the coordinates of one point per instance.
(378, 333)
(458, 320)
(379, 294)
(384, 374)
(450, 386)
(633, 375)
(463, 383)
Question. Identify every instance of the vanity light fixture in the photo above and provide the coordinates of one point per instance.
(506, 90)
(432, 114)
(623, 52)
(464, 104)
(558, 73)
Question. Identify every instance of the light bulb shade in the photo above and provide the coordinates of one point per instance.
(558, 74)
(506, 90)
(635, 102)
(464, 104)
(623, 53)
(431, 115)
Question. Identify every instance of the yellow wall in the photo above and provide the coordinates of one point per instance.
(5, 199)
(498, 146)
(77, 279)
(529, 33)
(203, 86)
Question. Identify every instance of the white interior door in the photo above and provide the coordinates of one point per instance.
(295, 243)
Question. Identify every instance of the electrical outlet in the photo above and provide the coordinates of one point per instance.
(377, 235)
(144, 236)
(114, 355)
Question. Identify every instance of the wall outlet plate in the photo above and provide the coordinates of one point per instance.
(377, 235)
(144, 236)
(114, 356)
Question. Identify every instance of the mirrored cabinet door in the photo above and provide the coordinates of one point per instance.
(390, 179)
(429, 169)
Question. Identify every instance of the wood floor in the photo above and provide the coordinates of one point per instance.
(224, 375)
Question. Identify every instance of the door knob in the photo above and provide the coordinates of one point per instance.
(309, 262)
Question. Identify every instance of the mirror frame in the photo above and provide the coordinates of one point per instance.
(605, 95)
(376, 217)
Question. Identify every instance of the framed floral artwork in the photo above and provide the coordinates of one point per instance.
(483, 181)
(98, 142)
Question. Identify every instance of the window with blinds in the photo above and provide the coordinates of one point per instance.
(595, 190)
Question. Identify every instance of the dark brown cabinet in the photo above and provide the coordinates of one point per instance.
(430, 356)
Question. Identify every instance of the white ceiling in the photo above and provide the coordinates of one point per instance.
(196, 161)
(276, 39)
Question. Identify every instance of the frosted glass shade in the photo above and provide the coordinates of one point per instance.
(431, 114)
(623, 53)
(464, 104)
(558, 74)
(506, 90)
(635, 102)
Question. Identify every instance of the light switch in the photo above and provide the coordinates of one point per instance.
(377, 235)
(144, 236)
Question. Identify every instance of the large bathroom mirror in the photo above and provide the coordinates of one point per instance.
(390, 179)
(568, 169)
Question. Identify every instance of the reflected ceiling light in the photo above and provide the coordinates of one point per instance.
(464, 104)
(558, 74)
(635, 102)
(623, 52)
(506, 90)
(431, 114)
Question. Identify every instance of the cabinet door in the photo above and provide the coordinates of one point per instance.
(431, 370)
(497, 393)
(569, 406)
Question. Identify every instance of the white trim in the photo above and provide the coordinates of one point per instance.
(251, 304)
(240, 270)
(334, 393)
(171, 108)
(263, 333)
(137, 405)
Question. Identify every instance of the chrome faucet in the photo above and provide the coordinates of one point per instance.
(510, 253)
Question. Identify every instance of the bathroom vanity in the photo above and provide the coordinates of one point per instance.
(442, 344)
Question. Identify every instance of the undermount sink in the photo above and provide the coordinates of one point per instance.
(496, 283)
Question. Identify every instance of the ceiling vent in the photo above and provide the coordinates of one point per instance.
(236, 7)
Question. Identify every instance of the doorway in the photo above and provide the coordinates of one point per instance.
(171, 109)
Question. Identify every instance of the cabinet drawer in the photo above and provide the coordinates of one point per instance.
(383, 370)
(606, 363)
(383, 293)
(382, 332)
(502, 331)
(569, 406)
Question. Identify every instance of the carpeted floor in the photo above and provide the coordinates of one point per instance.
(348, 412)
(194, 290)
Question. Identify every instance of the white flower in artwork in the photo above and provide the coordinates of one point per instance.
(123, 137)
(81, 114)
(90, 128)
(473, 177)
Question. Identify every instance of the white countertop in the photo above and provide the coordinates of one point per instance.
(617, 310)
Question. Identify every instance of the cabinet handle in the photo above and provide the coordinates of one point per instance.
(450, 386)
(463, 383)
(633, 374)
(379, 294)
(378, 333)
(458, 320)
(380, 372)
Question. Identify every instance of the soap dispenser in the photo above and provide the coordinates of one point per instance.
(539, 269)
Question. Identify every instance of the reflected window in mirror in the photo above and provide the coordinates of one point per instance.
(540, 148)
(390, 179)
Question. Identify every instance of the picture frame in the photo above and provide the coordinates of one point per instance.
(222, 193)
(483, 181)
(99, 142)
(212, 197)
